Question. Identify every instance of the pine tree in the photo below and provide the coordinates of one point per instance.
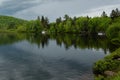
(58, 20)
(66, 17)
(38, 18)
(115, 13)
(104, 14)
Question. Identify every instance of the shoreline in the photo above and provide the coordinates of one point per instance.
(109, 67)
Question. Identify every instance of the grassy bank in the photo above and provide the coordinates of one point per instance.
(109, 67)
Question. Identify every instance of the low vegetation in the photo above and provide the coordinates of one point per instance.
(109, 67)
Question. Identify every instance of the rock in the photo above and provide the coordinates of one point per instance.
(109, 73)
(118, 59)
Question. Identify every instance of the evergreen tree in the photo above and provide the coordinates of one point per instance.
(104, 14)
(42, 20)
(58, 20)
(66, 17)
(38, 18)
(45, 22)
(115, 13)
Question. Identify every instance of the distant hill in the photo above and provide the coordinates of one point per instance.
(7, 22)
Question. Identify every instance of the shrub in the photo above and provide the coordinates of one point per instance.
(113, 33)
(108, 63)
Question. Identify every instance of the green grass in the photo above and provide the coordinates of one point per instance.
(117, 77)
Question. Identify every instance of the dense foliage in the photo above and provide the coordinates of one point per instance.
(8, 23)
(109, 25)
(113, 33)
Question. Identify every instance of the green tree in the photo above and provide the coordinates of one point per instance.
(45, 22)
(66, 17)
(113, 33)
(104, 14)
(58, 20)
(115, 13)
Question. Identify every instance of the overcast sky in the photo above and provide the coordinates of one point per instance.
(30, 9)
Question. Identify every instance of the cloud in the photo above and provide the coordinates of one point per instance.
(30, 9)
(98, 11)
(51, 9)
(1, 1)
(10, 7)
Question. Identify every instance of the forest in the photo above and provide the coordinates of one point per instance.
(108, 25)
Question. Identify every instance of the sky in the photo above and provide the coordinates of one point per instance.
(30, 9)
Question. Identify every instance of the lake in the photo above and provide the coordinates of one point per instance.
(50, 57)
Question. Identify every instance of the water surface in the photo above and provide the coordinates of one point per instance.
(50, 57)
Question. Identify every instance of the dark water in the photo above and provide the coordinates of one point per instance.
(50, 57)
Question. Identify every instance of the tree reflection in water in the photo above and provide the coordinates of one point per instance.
(68, 40)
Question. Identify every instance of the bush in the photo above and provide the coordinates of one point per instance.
(113, 33)
(103, 65)
(21, 29)
(109, 63)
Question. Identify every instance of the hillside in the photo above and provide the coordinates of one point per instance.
(8, 22)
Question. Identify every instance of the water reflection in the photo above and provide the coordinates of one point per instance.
(50, 57)
(68, 40)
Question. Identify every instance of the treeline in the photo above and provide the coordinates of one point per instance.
(109, 25)
(85, 24)
(8, 23)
